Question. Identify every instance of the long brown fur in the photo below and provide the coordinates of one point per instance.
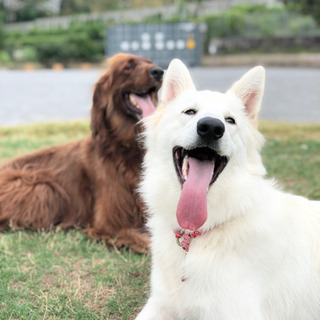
(89, 183)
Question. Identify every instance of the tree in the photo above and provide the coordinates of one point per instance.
(69, 7)
(30, 12)
(2, 21)
(18, 10)
(311, 7)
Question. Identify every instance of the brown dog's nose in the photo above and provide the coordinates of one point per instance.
(156, 73)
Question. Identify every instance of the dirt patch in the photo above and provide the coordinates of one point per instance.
(77, 283)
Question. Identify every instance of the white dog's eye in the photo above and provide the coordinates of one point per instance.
(230, 120)
(190, 112)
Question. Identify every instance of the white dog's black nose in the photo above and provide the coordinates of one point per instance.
(210, 128)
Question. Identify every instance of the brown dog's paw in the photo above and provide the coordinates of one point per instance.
(133, 238)
(141, 243)
(96, 234)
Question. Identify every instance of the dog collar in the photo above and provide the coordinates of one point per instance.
(184, 238)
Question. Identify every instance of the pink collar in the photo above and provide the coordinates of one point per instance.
(187, 237)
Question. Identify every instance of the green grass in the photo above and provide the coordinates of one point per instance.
(65, 275)
(292, 155)
(16, 141)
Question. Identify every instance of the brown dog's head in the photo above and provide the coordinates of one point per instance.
(125, 94)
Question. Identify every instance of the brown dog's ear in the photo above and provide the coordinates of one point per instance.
(99, 107)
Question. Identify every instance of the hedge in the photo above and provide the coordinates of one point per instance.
(79, 43)
(85, 42)
(258, 22)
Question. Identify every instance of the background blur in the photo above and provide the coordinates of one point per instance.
(75, 31)
(66, 44)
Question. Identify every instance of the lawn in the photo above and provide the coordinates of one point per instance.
(65, 275)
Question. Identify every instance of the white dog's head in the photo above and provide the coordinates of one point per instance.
(199, 143)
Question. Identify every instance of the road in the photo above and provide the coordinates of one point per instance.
(292, 94)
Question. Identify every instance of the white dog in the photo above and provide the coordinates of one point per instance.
(226, 244)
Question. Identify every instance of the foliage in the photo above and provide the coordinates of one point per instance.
(84, 42)
(258, 21)
(4, 57)
(25, 10)
(80, 42)
(31, 10)
(309, 7)
(2, 20)
(69, 7)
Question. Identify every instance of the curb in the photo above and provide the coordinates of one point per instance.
(303, 60)
(309, 60)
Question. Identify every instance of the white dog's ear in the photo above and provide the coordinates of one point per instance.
(250, 90)
(177, 79)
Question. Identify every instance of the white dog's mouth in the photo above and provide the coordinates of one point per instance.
(197, 170)
(182, 157)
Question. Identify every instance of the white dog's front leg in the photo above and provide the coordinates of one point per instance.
(153, 311)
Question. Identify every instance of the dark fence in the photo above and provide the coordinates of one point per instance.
(158, 42)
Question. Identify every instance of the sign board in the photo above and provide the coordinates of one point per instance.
(159, 42)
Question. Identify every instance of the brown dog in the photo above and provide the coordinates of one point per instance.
(90, 183)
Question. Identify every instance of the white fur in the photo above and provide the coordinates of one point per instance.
(262, 259)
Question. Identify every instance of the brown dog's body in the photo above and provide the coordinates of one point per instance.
(90, 183)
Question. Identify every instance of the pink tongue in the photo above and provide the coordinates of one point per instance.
(145, 104)
(192, 207)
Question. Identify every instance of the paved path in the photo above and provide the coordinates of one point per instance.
(292, 94)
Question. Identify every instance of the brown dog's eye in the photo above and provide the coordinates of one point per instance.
(129, 66)
(190, 112)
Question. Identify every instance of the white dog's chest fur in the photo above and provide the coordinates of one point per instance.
(235, 272)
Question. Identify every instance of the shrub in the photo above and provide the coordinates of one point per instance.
(26, 53)
(257, 21)
(48, 53)
(80, 42)
(85, 41)
(4, 57)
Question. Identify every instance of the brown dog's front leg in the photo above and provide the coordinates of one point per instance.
(136, 239)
